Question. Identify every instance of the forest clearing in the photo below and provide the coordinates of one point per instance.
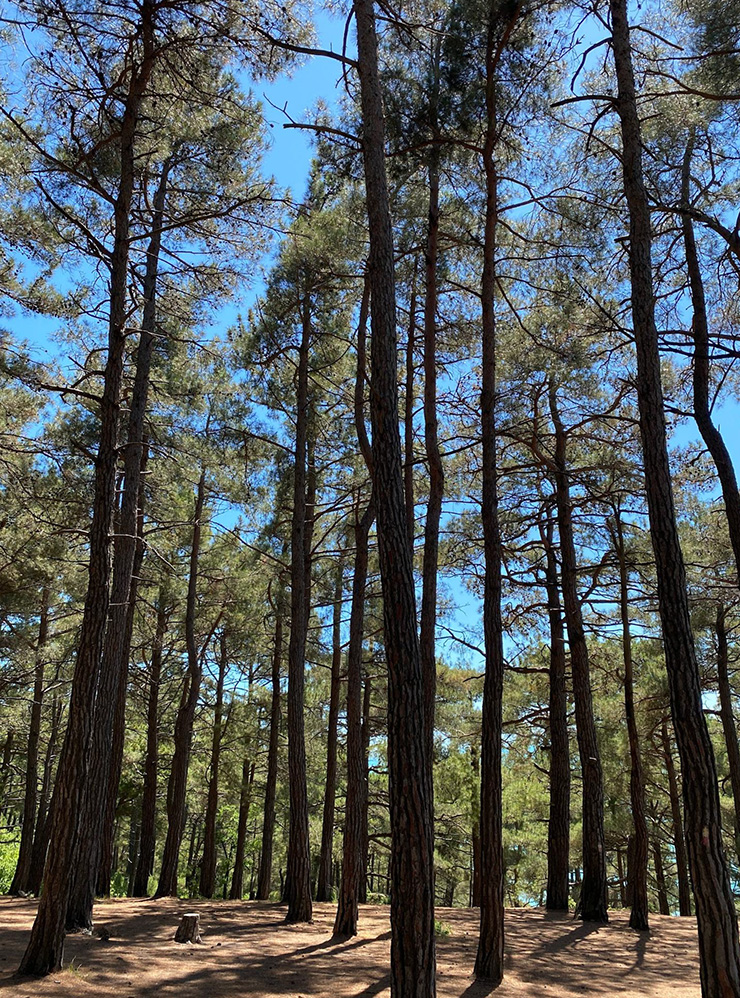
(247, 950)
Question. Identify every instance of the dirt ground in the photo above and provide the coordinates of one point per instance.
(247, 951)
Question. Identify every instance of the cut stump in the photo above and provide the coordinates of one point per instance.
(188, 929)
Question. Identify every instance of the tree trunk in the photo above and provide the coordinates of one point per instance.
(297, 891)
(245, 799)
(45, 948)
(345, 924)
(268, 822)
(408, 415)
(208, 864)
(178, 781)
(43, 817)
(324, 878)
(719, 949)
(593, 900)
(682, 862)
(637, 870)
(558, 827)
(409, 765)
(729, 726)
(365, 805)
(428, 615)
(663, 906)
(147, 839)
(21, 878)
(475, 832)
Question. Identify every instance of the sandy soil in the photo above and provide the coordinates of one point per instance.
(247, 951)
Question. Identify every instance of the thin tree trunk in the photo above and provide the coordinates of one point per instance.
(409, 765)
(558, 828)
(45, 949)
(21, 878)
(268, 822)
(208, 864)
(729, 726)
(592, 903)
(324, 878)
(428, 615)
(408, 416)
(679, 839)
(245, 799)
(43, 818)
(475, 832)
(639, 847)
(345, 924)
(719, 948)
(177, 784)
(297, 891)
(147, 840)
(365, 805)
(663, 906)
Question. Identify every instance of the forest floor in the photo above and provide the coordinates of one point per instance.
(248, 951)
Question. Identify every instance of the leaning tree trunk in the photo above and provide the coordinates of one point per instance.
(409, 766)
(719, 948)
(178, 781)
(208, 864)
(22, 875)
(637, 855)
(558, 826)
(297, 890)
(592, 903)
(268, 821)
(324, 879)
(45, 948)
(147, 838)
(679, 839)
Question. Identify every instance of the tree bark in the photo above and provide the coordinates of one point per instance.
(45, 949)
(297, 890)
(409, 765)
(177, 784)
(719, 948)
(147, 839)
(637, 856)
(268, 822)
(21, 877)
(558, 828)
(729, 727)
(43, 817)
(679, 839)
(345, 923)
(592, 903)
(208, 865)
(245, 798)
(324, 877)
(663, 906)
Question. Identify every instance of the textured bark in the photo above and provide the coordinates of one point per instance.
(719, 949)
(207, 885)
(364, 808)
(183, 738)
(679, 839)
(297, 890)
(22, 875)
(268, 822)
(638, 847)
(147, 838)
(409, 766)
(408, 415)
(325, 872)
(593, 900)
(475, 832)
(46, 946)
(353, 867)
(489, 961)
(245, 799)
(558, 828)
(729, 727)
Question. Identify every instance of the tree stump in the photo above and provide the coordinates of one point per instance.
(188, 929)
